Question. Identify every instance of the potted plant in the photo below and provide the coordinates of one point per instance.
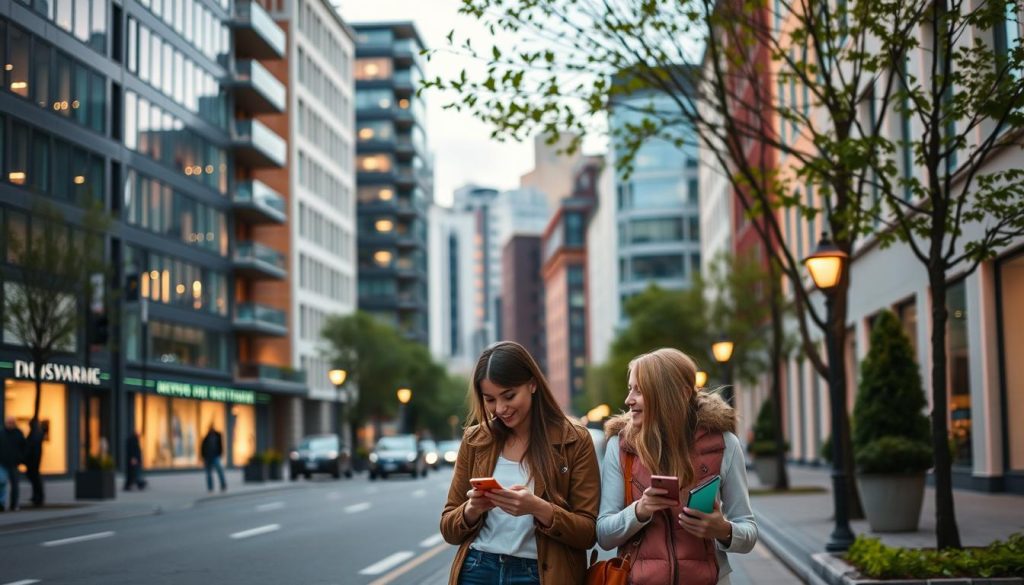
(763, 448)
(891, 436)
(97, 480)
(255, 470)
(273, 459)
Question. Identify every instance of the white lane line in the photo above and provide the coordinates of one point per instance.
(387, 562)
(23, 582)
(82, 538)
(361, 506)
(270, 506)
(419, 493)
(431, 541)
(256, 531)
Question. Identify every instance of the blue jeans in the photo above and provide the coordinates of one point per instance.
(483, 568)
(3, 486)
(210, 465)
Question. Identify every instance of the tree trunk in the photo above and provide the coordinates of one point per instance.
(782, 478)
(947, 534)
(38, 362)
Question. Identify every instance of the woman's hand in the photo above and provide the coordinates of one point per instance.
(653, 500)
(516, 501)
(701, 525)
(476, 506)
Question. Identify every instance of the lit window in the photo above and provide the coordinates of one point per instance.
(382, 257)
(384, 225)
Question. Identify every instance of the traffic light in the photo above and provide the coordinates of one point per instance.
(131, 288)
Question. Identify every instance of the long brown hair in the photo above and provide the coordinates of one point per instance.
(507, 364)
(666, 379)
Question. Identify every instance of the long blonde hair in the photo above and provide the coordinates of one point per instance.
(666, 380)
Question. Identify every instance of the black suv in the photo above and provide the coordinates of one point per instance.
(397, 454)
(319, 454)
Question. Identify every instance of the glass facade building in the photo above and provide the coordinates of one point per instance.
(394, 177)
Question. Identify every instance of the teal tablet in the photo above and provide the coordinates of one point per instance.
(703, 496)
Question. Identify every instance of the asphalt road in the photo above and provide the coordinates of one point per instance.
(347, 532)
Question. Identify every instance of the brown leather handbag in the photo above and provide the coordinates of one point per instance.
(614, 571)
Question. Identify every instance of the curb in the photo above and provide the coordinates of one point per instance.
(236, 494)
(838, 572)
(792, 555)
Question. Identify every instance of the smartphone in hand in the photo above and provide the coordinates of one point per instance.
(669, 483)
(484, 484)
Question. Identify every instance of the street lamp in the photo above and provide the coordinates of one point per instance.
(722, 352)
(404, 396)
(701, 379)
(337, 377)
(826, 266)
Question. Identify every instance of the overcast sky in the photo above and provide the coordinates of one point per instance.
(463, 151)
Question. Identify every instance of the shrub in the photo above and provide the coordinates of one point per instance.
(890, 405)
(272, 456)
(258, 459)
(878, 561)
(764, 432)
(99, 463)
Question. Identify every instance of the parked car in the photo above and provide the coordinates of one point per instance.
(430, 454)
(319, 454)
(449, 451)
(397, 454)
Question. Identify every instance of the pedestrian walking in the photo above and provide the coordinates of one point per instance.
(34, 459)
(212, 450)
(535, 522)
(133, 471)
(12, 456)
(3, 470)
(673, 430)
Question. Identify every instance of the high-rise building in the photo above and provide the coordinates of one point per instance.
(451, 261)
(552, 172)
(479, 203)
(522, 296)
(393, 175)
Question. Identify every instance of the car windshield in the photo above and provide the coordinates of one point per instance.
(428, 445)
(319, 444)
(448, 446)
(397, 444)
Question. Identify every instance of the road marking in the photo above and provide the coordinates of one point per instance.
(82, 538)
(387, 563)
(23, 582)
(431, 541)
(419, 493)
(270, 506)
(411, 565)
(361, 506)
(256, 531)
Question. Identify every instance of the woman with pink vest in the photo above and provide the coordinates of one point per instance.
(671, 429)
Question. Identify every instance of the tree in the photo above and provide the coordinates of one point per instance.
(53, 265)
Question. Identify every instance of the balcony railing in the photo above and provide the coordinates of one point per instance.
(258, 261)
(271, 373)
(255, 202)
(258, 146)
(257, 36)
(256, 89)
(260, 319)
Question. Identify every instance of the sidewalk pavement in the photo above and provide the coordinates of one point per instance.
(795, 526)
(164, 492)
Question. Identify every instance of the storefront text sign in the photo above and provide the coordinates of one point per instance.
(58, 373)
(204, 392)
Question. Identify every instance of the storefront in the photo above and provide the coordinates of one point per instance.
(74, 409)
(1010, 291)
(172, 417)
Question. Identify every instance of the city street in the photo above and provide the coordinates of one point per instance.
(319, 532)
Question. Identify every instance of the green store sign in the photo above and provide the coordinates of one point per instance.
(197, 391)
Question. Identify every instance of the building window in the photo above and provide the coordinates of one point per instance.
(373, 163)
(662, 266)
(1011, 322)
(958, 370)
(643, 231)
(373, 68)
(19, 403)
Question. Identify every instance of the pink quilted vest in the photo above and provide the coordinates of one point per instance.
(669, 555)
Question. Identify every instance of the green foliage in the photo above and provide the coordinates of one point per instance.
(879, 561)
(99, 463)
(764, 432)
(272, 456)
(890, 404)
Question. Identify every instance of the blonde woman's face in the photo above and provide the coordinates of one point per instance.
(635, 400)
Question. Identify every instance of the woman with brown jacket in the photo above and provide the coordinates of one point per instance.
(539, 525)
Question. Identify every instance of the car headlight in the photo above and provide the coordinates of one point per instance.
(450, 456)
(431, 458)
(294, 455)
(332, 454)
(373, 457)
(411, 457)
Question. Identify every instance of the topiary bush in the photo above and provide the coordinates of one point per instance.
(892, 433)
(764, 432)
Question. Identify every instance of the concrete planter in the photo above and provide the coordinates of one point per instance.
(892, 503)
(95, 484)
(767, 472)
(255, 472)
(835, 571)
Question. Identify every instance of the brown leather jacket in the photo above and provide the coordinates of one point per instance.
(561, 547)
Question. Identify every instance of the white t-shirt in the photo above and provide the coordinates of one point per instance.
(503, 533)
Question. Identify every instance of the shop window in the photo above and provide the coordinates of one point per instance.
(19, 402)
(1011, 290)
(959, 383)
(243, 437)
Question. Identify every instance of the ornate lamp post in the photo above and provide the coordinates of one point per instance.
(337, 377)
(722, 352)
(404, 396)
(826, 266)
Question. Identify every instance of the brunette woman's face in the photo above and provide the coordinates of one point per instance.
(511, 405)
(635, 400)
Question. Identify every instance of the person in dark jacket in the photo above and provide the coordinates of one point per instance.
(33, 460)
(11, 457)
(212, 450)
(133, 471)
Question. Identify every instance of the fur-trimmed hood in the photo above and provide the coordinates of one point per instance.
(713, 414)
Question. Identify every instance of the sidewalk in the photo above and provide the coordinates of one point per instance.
(796, 526)
(164, 492)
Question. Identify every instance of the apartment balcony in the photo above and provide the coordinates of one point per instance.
(257, 146)
(256, 90)
(256, 261)
(257, 319)
(257, 36)
(403, 82)
(270, 378)
(255, 202)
